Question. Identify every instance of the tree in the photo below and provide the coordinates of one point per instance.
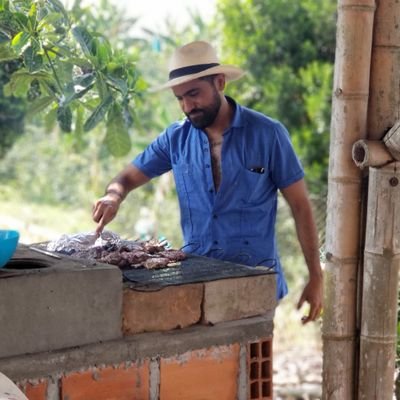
(287, 47)
(67, 70)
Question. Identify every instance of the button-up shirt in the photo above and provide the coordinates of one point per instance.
(237, 222)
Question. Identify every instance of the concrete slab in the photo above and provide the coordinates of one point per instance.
(234, 299)
(137, 347)
(63, 304)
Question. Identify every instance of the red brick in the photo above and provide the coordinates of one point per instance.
(201, 375)
(161, 310)
(36, 391)
(259, 366)
(110, 383)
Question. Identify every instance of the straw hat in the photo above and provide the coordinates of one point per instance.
(194, 60)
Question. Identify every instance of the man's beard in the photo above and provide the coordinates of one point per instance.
(201, 118)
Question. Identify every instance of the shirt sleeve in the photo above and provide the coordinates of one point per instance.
(155, 159)
(285, 165)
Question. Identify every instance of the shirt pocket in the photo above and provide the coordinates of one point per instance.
(253, 185)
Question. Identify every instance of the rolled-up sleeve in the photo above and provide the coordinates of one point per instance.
(286, 166)
(155, 159)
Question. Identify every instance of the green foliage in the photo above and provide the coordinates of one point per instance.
(12, 111)
(287, 47)
(66, 68)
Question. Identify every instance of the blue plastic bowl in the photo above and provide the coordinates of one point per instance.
(8, 245)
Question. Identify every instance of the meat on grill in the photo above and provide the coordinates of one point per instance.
(149, 255)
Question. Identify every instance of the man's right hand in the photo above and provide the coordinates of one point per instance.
(104, 211)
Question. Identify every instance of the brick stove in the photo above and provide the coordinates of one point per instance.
(77, 330)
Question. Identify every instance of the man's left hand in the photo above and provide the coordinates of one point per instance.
(312, 294)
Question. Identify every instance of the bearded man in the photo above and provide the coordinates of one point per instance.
(229, 162)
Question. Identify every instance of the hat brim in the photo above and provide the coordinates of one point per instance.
(231, 73)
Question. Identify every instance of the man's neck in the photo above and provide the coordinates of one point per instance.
(222, 121)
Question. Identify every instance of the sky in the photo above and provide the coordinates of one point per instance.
(152, 13)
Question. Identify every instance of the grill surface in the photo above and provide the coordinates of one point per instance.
(192, 270)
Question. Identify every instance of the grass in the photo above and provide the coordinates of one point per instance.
(40, 222)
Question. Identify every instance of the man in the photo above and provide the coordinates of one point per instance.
(229, 163)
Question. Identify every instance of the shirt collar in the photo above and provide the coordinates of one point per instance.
(237, 120)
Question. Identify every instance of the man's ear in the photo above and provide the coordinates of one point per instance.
(220, 82)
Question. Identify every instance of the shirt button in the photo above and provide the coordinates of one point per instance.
(246, 242)
(215, 241)
(211, 190)
(215, 216)
(207, 165)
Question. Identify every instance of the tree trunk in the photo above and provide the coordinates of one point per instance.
(379, 300)
(349, 117)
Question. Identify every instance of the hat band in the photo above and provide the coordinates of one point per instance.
(192, 69)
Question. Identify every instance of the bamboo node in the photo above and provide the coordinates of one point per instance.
(338, 92)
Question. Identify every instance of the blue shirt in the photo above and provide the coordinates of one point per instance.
(237, 223)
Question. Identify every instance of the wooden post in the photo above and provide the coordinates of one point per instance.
(379, 299)
(349, 117)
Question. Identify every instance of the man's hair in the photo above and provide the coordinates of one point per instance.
(208, 78)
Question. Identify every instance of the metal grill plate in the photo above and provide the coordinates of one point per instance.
(194, 269)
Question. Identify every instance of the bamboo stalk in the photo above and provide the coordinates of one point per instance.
(371, 153)
(379, 300)
(380, 284)
(348, 124)
(385, 65)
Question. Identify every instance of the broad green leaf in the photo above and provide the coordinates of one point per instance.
(32, 10)
(49, 20)
(82, 63)
(127, 114)
(103, 51)
(20, 40)
(21, 19)
(98, 114)
(32, 59)
(18, 85)
(7, 54)
(78, 88)
(102, 86)
(58, 6)
(75, 93)
(85, 40)
(118, 84)
(64, 118)
(39, 104)
(117, 137)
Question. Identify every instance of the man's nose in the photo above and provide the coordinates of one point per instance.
(187, 106)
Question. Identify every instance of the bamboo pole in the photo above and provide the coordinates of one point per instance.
(384, 103)
(381, 266)
(371, 153)
(380, 285)
(348, 124)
